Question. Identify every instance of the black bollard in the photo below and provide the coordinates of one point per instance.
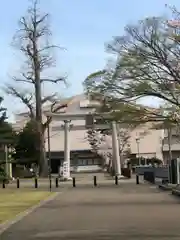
(18, 183)
(116, 180)
(57, 182)
(137, 179)
(74, 182)
(4, 183)
(36, 183)
(95, 181)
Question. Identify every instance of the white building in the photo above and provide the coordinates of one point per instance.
(82, 158)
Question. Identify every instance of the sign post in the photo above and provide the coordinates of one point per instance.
(178, 171)
(65, 170)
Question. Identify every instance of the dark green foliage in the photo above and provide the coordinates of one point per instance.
(26, 145)
(2, 174)
(7, 135)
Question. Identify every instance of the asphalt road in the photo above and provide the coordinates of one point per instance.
(127, 211)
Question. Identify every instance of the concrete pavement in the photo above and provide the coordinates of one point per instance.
(127, 211)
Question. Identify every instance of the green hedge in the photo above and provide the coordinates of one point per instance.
(3, 175)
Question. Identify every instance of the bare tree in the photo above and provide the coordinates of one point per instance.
(33, 41)
(124, 135)
(27, 98)
(102, 145)
(101, 142)
(146, 65)
(94, 139)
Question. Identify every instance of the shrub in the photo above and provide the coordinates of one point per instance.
(3, 175)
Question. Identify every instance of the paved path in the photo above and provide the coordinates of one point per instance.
(124, 212)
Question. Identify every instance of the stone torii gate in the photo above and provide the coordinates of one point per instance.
(89, 123)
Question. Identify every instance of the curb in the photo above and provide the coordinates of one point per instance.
(4, 226)
(176, 192)
(165, 188)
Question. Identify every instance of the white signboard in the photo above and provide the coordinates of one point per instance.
(65, 170)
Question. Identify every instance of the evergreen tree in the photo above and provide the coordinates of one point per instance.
(26, 148)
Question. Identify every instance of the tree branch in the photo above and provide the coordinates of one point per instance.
(147, 65)
(53, 109)
(55, 80)
(25, 97)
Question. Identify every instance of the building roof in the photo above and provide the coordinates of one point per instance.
(78, 138)
(71, 102)
(63, 101)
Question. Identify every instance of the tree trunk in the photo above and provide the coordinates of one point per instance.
(43, 164)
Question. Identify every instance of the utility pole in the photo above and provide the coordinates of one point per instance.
(138, 142)
(49, 147)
